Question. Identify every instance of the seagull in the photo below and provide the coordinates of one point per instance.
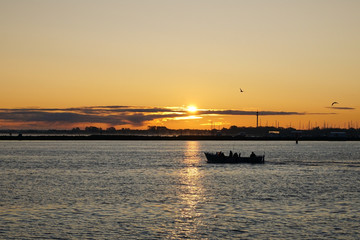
(334, 103)
(241, 90)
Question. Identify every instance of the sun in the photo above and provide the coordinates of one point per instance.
(191, 109)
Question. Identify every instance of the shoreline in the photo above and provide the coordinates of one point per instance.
(167, 138)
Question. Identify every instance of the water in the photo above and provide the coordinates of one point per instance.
(166, 190)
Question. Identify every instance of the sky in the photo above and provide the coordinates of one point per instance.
(134, 64)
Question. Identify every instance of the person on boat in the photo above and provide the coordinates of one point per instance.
(252, 155)
(230, 154)
(236, 155)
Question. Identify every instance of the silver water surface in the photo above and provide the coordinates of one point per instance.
(166, 190)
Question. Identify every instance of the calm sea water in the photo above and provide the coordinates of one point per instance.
(166, 190)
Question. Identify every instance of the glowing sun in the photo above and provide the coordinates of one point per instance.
(192, 109)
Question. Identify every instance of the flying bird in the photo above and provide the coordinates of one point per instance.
(334, 103)
(241, 90)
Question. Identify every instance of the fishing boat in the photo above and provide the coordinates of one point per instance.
(220, 157)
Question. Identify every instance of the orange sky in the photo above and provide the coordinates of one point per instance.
(287, 56)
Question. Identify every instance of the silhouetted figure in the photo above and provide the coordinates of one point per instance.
(236, 155)
(230, 154)
(252, 155)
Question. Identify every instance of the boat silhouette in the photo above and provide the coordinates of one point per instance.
(220, 157)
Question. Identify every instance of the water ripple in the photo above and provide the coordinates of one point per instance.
(165, 190)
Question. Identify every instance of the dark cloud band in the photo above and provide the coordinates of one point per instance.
(115, 115)
(342, 108)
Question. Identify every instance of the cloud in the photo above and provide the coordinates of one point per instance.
(111, 115)
(249, 113)
(115, 115)
(44, 116)
(342, 108)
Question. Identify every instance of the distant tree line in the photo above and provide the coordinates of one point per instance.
(234, 131)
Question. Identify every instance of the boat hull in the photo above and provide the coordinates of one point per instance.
(217, 158)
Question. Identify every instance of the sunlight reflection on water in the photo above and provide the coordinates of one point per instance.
(188, 218)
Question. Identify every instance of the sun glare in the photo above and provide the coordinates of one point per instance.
(192, 109)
